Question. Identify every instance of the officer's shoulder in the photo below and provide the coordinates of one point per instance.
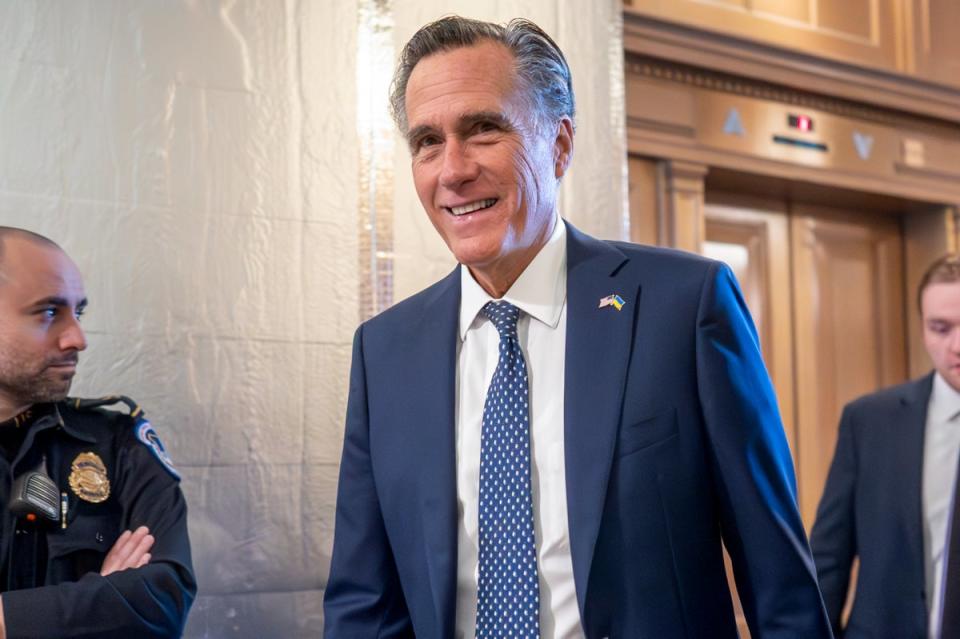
(118, 417)
(100, 414)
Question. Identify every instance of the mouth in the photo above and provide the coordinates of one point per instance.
(65, 365)
(471, 207)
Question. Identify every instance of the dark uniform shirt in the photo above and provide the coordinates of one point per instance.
(113, 475)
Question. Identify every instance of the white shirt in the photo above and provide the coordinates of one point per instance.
(941, 448)
(541, 294)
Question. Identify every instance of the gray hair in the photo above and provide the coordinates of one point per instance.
(540, 65)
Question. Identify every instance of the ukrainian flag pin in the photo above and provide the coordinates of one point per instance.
(612, 300)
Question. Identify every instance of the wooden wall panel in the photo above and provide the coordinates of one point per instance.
(798, 10)
(848, 296)
(862, 32)
(857, 19)
(937, 44)
(644, 200)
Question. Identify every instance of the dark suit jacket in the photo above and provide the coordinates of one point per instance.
(872, 509)
(672, 439)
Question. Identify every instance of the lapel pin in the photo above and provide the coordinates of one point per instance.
(612, 300)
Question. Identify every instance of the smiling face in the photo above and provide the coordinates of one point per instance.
(41, 299)
(486, 174)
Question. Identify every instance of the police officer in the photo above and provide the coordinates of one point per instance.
(93, 525)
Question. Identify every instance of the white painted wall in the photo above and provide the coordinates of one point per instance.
(198, 160)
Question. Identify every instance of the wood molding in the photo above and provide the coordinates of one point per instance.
(684, 75)
(645, 35)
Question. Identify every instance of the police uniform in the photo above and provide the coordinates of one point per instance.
(113, 474)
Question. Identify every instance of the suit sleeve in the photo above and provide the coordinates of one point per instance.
(363, 597)
(149, 602)
(833, 538)
(753, 471)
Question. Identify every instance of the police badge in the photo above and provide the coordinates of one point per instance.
(88, 478)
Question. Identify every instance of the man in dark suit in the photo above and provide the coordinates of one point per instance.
(888, 496)
(554, 439)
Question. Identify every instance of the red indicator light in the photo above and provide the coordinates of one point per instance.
(801, 122)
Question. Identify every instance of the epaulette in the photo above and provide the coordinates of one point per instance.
(142, 428)
(108, 400)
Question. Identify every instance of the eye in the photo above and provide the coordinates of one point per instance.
(79, 312)
(940, 328)
(425, 142)
(485, 126)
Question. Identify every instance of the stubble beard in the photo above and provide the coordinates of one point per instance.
(26, 385)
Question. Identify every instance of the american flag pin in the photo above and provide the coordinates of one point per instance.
(612, 300)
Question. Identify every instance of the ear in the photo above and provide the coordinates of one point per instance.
(563, 147)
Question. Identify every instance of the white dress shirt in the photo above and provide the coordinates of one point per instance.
(941, 448)
(541, 295)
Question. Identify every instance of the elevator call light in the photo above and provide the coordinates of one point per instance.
(801, 122)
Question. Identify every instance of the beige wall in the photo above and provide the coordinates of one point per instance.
(199, 161)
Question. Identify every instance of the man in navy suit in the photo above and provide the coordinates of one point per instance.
(553, 440)
(888, 496)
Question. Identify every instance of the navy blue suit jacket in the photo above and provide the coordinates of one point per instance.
(672, 440)
(872, 509)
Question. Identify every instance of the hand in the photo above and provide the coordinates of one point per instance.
(130, 551)
(3, 625)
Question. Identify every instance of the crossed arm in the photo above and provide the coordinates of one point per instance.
(131, 550)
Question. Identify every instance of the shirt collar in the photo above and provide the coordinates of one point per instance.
(540, 291)
(944, 401)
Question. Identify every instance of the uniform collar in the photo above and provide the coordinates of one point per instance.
(540, 291)
(51, 417)
(23, 419)
(36, 417)
(944, 401)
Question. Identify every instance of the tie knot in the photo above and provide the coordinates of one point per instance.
(504, 316)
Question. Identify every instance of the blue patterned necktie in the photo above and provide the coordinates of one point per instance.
(508, 602)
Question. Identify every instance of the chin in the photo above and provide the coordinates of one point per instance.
(475, 256)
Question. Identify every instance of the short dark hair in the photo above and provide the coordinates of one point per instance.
(540, 64)
(945, 270)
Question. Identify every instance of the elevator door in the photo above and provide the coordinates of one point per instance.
(825, 288)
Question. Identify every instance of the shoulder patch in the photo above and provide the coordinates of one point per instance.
(149, 438)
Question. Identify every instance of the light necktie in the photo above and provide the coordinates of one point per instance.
(508, 602)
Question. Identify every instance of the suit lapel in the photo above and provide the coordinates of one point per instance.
(598, 346)
(909, 431)
(432, 347)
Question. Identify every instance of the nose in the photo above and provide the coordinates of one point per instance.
(73, 337)
(458, 165)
